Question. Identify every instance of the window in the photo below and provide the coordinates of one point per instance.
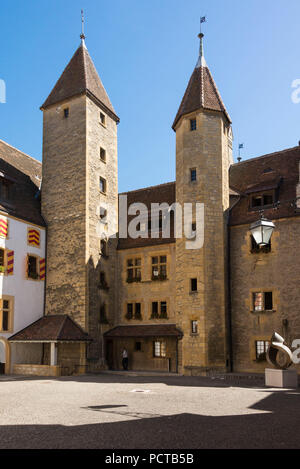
(159, 268)
(137, 312)
(103, 318)
(5, 189)
(163, 310)
(133, 311)
(134, 270)
(262, 200)
(103, 248)
(263, 301)
(103, 185)
(193, 173)
(6, 314)
(129, 313)
(102, 154)
(194, 286)
(32, 267)
(261, 348)
(159, 310)
(102, 118)
(193, 124)
(154, 314)
(2, 260)
(159, 349)
(103, 283)
(66, 112)
(194, 327)
(138, 346)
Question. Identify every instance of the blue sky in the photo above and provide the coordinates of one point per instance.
(145, 52)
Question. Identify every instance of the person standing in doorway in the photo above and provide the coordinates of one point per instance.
(125, 359)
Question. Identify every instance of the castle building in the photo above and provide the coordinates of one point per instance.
(175, 307)
(22, 252)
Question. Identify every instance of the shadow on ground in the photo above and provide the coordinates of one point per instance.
(245, 380)
(277, 427)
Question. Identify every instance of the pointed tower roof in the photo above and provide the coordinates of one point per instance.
(201, 92)
(80, 76)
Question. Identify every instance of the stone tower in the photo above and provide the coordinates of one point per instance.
(203, 157)
(80, 199)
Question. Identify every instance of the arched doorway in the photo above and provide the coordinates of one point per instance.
(4, 356)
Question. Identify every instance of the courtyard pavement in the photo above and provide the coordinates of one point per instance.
(159, 412)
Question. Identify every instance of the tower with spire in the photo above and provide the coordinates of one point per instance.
(203, 157)
(80, 202)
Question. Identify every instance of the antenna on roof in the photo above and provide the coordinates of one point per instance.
(82, 36)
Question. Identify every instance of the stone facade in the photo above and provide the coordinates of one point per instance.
(89, 282)
(71, 201)
(276, 272)
(206, 150)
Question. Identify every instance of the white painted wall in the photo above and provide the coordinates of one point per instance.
(28, 294)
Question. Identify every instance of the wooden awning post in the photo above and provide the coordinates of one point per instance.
(53, 354)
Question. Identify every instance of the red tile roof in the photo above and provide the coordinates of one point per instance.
(155, 194)
(58, 327)
(201, 93)
(26, 175)
(279, 171)
(80, 76)
(147, 330)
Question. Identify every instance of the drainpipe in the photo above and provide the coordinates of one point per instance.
(229, 303)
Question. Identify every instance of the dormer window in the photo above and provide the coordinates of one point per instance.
(193, 124)
(5, 189)
(66, 112)
(262, 200)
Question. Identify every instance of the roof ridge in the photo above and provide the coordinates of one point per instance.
(20, 151)
(266, 155)
(65, 316)
(149, 187)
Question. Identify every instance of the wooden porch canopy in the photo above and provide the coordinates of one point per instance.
(149, 330)
(52, 328)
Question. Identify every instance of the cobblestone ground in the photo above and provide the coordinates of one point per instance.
(116, 411)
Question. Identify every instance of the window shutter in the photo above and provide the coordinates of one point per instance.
(10, 262)
(42, 269)
(33, 237)
(3, 228)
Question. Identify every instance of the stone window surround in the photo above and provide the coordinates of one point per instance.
(102, 119)
(133, 303)
(159, 264)
(159, 309)
(263, 290)
(134, 267)
(10, 299)
(37, 267)
(3, 268)
(161, 350)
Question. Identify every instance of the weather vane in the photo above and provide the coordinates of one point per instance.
(202, 20)
(241, 147)
(82, 36)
